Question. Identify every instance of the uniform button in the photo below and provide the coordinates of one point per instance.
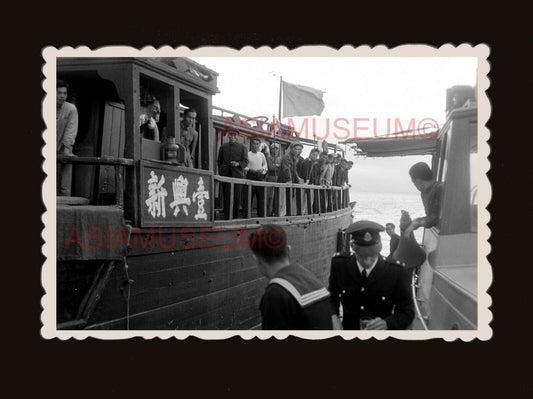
(383, 298)
(362, 289)
(362, 308)
(344, 291)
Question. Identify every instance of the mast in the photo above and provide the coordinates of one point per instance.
(280, 91)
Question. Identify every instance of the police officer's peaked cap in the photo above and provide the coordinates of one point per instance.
(365, 233)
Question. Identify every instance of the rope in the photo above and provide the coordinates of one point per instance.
(128, 282)
(417, 309)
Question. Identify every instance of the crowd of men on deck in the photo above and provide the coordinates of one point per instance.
(265, 163)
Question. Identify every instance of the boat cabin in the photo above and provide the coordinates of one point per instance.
(117, 97)
(132, 238)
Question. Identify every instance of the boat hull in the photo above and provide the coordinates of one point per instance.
(201, 279)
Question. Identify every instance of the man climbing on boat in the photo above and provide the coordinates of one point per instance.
(431, 194)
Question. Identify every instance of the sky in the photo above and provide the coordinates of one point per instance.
(374, 89)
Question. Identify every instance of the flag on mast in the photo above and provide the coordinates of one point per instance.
(301, 100)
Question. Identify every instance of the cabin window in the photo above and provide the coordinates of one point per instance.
(473, 182)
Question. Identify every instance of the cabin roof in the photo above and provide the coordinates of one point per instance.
(179, 69)
(412, 142)
(393, 146)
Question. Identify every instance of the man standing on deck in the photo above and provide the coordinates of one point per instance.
(374, 292)
(307, 164)
(256, 170)
(67, 130)
(304, 171)
(289, 174)
(294, 298)
(431, 193)
(189, 136)
(232, 159)
(274, 163)
(394, 239)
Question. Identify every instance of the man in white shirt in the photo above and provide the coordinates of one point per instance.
(256, 170)
(67, 129)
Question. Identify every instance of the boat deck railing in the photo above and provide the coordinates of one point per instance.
(288, 199)
(119, 165)
(300, 199)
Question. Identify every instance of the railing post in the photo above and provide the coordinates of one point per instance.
(299, 207)
(264, 195)
(231, 199)
(249, 187)
(309, 203)
(119, 185)
(288, 201)
(277, 197)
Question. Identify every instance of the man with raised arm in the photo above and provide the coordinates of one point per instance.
(431, 194)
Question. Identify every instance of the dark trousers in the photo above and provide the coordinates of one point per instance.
(330, 200)
(316, 201)
(272, 198)
(226, 192)
(257, 192)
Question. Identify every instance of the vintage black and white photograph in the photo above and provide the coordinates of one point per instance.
(313, 192)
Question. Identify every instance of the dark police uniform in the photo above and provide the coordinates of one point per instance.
(385, 293)
(296, 300)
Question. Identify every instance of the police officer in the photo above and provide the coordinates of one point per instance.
(370, 287)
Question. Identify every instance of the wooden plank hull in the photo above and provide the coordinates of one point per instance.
(205, 280)
(452, 307)
(452, 296)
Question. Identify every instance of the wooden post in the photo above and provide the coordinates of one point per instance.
(288, 201)
(277, 198)
(299, 202)
(248, 210)
(174, 117)
(280, 97)
(231, 199)
(309, 201)
(119, 185)
(264, 195)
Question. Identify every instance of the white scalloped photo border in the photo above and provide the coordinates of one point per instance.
(48, 275)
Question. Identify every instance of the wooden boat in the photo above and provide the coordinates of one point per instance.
(142, 243)
(447, 295)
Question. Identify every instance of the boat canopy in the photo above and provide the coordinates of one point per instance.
(393, 145)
